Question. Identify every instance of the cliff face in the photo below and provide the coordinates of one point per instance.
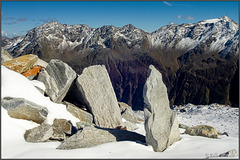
(198, 62)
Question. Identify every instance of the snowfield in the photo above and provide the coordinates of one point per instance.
(223, 118)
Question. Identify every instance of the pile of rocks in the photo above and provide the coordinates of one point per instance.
(90, 98)
(99, 113)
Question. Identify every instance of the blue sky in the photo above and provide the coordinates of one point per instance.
(18, 17)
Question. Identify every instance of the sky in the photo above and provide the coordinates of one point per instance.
(18, 17)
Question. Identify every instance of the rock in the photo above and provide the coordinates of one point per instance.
(231, 153)
(81, 125)
(21, 64)
(127, 113)
(39, 85)
(41, 133)
(23, 109)
(32, 72)
(129, 126)
(61, 127)
(5, 56)
(93, 136)
(202, 130)
(183, 126)
(123, 106)
(41, 62)
(98, 95)
(79, 113)
(161, 124)
(57, 77)
(224, 133)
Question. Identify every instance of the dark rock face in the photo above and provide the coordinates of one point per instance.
(194, 68)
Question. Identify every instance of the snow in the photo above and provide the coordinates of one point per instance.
(210, 21)
(21, 50)
(13, 144)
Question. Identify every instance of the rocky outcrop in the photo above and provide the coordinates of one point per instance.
(161, 123)
(41, 133)
(202, 130)
(79, 113)
(93, 136)
(61, 128)
(127, 113)
(23, 109)
(21, 64)
(98, 95)
(57, 77)
(5, 56)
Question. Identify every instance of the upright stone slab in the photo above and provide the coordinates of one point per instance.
(161, 123)
(98, 95)
(57, 77)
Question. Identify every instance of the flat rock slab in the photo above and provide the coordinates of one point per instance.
(41, 133)
(98, 95)
(161, 124)
(202, 130)
(93, 136)
(23, 109)
(21, 64)
(57, 77)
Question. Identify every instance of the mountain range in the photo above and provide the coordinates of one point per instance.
(199, 61)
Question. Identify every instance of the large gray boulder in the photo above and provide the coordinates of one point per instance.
(92, 136)
(127, 113)
(78, 113)
(57, 77)
(98, 95)
(41, 133)
(23, 109)
(161, 124)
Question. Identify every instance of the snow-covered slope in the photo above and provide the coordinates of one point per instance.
(14, 146)
(16, 85)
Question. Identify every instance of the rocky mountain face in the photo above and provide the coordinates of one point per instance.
(198, 61)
